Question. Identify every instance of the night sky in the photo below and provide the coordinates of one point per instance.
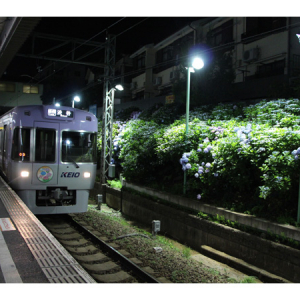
(132, 34)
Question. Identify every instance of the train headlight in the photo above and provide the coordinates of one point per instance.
(86, 174)
(24, 174)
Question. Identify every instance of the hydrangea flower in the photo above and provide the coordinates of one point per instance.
(198, 196)
(196, 175)
(296, 153)
(188, 166)
(208, 165)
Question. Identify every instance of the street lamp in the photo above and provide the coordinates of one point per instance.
(197, 64)
(77, 99)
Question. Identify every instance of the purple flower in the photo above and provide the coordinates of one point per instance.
(216, 174)
(196, 175)
(198, 196)
(206, 150)
(185, 159)
(199, 150)
(188, 166)
(208, 165)
(207, 170)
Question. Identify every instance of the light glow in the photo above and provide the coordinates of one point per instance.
(24, 174)
(76, 98)
(119, 87)
(198, 63)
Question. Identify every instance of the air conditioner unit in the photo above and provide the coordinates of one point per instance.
(157, 81)
(133, 85)
(251, 55)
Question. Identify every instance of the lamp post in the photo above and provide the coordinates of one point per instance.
(107, 142)
(298, 210)
(197, 64)
(77, 99)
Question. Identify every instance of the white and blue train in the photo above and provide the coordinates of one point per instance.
(48, 156)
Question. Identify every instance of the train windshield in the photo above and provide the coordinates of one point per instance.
(79, 147)
(45, 145)
(21, 144)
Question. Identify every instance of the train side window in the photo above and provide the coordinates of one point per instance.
(21, 144)
(45, 145)
(1, 140)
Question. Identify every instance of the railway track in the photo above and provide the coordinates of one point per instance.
(100, 259)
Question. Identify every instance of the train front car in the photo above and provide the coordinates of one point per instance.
(53, 158)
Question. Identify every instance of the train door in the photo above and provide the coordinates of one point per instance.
(4, 150)
(46, 141)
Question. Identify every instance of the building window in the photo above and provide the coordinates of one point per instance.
(30, 89)
(296, 65)
(271, 69)
(258, 25)
(7, 87)
(221, 35)
(141, 62)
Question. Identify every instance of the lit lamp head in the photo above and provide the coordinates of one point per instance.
(198, 63)
(298, 36)
(119, 87)
(77, 99)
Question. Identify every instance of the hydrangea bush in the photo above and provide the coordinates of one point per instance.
(244, 154)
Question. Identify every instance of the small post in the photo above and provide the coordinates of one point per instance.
(99, 199)
(155, 227)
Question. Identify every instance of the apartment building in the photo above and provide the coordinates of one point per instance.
(264, 51)
(19, 93)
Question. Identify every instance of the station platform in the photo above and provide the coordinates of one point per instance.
(28, 251)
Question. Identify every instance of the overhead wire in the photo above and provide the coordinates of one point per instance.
(104, 30)
(94, 36)
(212, 49)
(131, 73)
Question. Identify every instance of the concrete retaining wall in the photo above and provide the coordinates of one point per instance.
(195, 232)
(257, 223)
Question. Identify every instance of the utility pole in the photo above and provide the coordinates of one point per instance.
(108, 106)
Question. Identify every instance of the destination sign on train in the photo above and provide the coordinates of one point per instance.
(53, 112)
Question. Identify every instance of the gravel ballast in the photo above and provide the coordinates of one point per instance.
(175, 263)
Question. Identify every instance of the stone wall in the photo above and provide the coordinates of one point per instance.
(195, 232)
